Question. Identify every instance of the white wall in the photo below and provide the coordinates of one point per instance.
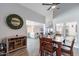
(6, 9)
(69, 16)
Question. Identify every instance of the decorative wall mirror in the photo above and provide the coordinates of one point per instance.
(14, 21)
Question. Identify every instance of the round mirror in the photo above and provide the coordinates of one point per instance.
(14, 21)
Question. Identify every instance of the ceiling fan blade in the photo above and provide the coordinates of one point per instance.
(55, 3)
(51, 4)
(46, 4)
(49, 8)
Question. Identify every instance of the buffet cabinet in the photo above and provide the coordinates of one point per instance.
(15, 43)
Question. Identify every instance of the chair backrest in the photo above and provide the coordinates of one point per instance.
(41, 35)
(70, 42)
(41, 42)
(46, 44)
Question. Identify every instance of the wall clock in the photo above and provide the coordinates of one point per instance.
(14, 21)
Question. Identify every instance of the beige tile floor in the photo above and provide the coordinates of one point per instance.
(33, 49)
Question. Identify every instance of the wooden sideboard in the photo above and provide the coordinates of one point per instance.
(15, 43)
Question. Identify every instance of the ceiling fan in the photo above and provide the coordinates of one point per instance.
(52, 5)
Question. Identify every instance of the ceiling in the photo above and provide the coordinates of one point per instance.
(37, 7)
(42, 9)
(64, 8)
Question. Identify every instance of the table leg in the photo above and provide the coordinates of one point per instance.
(58, 52)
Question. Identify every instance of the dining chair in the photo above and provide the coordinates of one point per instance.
(67, 47)
(46, 46)
(3, 49)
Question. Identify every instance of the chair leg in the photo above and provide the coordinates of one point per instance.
(71, 53)
(56, 53)
(42, 53)
(51, 54)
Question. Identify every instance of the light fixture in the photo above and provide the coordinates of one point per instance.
(53, 7)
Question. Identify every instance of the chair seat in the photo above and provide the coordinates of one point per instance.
(68, 46)
(50, 50)
(65, 48)
(66, 51)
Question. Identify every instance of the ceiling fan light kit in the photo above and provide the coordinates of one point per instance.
(52, 5)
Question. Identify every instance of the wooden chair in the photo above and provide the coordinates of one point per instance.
(68, 49)
(46, 46)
